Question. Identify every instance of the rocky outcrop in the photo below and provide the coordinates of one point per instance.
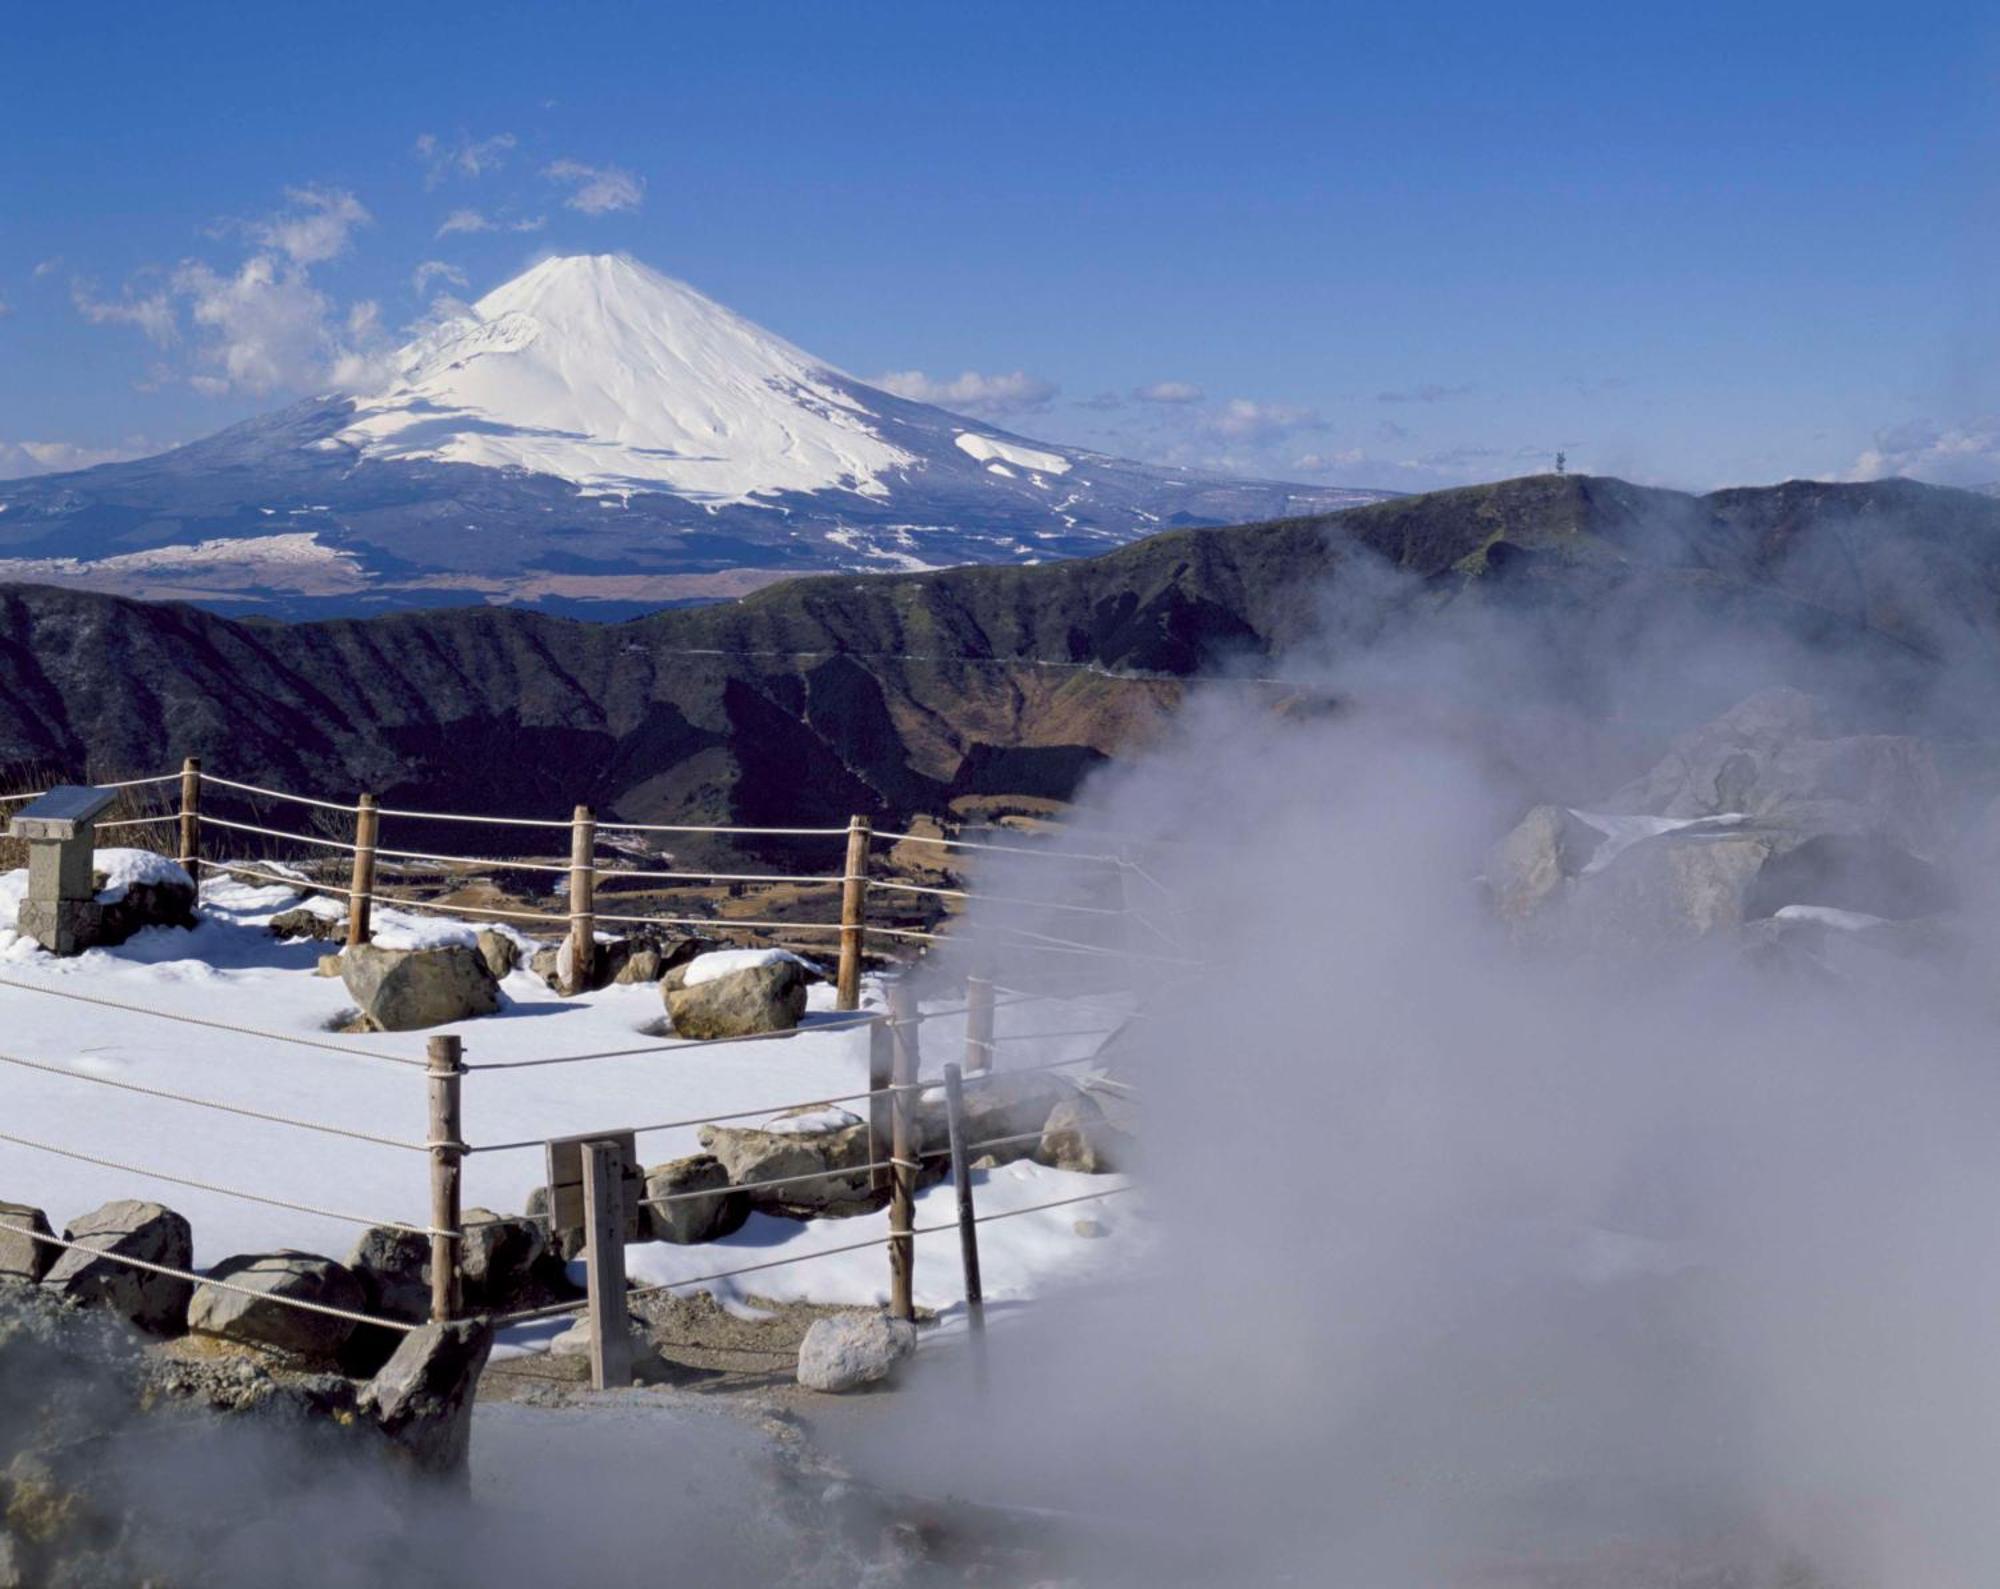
(500, 952)
(145, 1231)
(848, 1350)
(500, 1257)
(1003, 1114)
(253, 1307)
(403, 990)
(800, 1143)
(703, 1206)
(21, 1256)
(757, 999)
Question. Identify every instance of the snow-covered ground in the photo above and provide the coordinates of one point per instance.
(230, 969)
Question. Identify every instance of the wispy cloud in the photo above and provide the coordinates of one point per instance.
(597, 190)
(150, 310)
(435, 270)
(1429, 392)
(469, 220)
(1169, 392)
(462, 156)
(319, 226)
(1242, 419)
(1014, 392)
(19, 459)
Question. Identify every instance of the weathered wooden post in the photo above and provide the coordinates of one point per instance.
(881, 1075)
(191, 818)
(903, 1153)
(853, 914)
(582, 900)
(361, 878)
(978, 1024)
(961, 1179)
(447, 1145)
(604, 1264)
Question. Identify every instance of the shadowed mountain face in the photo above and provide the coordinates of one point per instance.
(893, 694)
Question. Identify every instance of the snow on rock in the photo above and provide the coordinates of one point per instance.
(1828, 916)
(726, 962)
(1622, 830)
(988, 449)
(826, 1117)
(602, 372)
(121, 869)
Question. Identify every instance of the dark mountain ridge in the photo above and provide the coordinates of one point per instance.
(894, 694)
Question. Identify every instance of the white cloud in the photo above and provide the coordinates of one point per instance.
(263, 326)
(318, 229)
(463, 156)
(19, 459)
(1168, 392)
(435, 270)
(1015, 392)
(1963, 454)
(1242, 420)
(151, 311)
(47, 267)
(597, 190)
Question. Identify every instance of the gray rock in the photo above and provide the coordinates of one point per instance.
(641, 964)
(264, 1319)
(848, 1350)
(1078, 1138)
(563, 1245)
(301, 922)
(766, 998)
(711, 1210)
(575, 1341)
(1670, 889)
(498, 1256)
(21, 1256)
(1003, 1116)
(756, 1155)
(146, 1231)
(422, 1398)
(394, 1270)
(500, 952)
(401, 990)
(327, 966)
(122, 912)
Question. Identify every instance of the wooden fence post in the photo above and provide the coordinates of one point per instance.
(604, 1264)
(582, 899)
(961, 1178)
(978, 1024)
(191, 818)
(361, 877)
(881, 1072)
(447, 1142)
(903, 1153)
(853, 914)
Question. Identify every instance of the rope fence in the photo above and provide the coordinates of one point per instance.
(897, 1154)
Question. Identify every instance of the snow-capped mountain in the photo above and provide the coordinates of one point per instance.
(593, 431)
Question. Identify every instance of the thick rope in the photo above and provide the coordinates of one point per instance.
(668, 827)
(209, 1103)
(1035, 852)
(138, 822)
(686, 1043)
(992, 899)
(202, 1280)
(274, 794)
(221, 1191)
(213, 1026)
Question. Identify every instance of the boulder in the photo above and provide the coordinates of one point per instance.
(303, 922)
(422, 1397)
(327, 966)
(845, 1351)
(1549, 846)
(563, 1245)
(643, 963)
(800, 1142)
(499, 1256)
(401, 990)
(264, 1319)
(161, 894)
(146, 1231)
(1865, 873)
(21, 1256)
(762, 998)
(500, 952)
(393, 1268)
(575, 1341)
(710, 1210)
(1004, 1114)
(1670, 889)
(1077, 1137)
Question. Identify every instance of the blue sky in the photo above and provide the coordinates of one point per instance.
(1399, 245)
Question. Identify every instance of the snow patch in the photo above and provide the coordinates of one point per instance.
(988, 450)
(725, 962)
(1621, 831)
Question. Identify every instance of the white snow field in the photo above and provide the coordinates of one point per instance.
(230, 969)
(602, 372)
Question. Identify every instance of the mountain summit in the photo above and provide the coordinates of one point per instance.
(593, 432)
